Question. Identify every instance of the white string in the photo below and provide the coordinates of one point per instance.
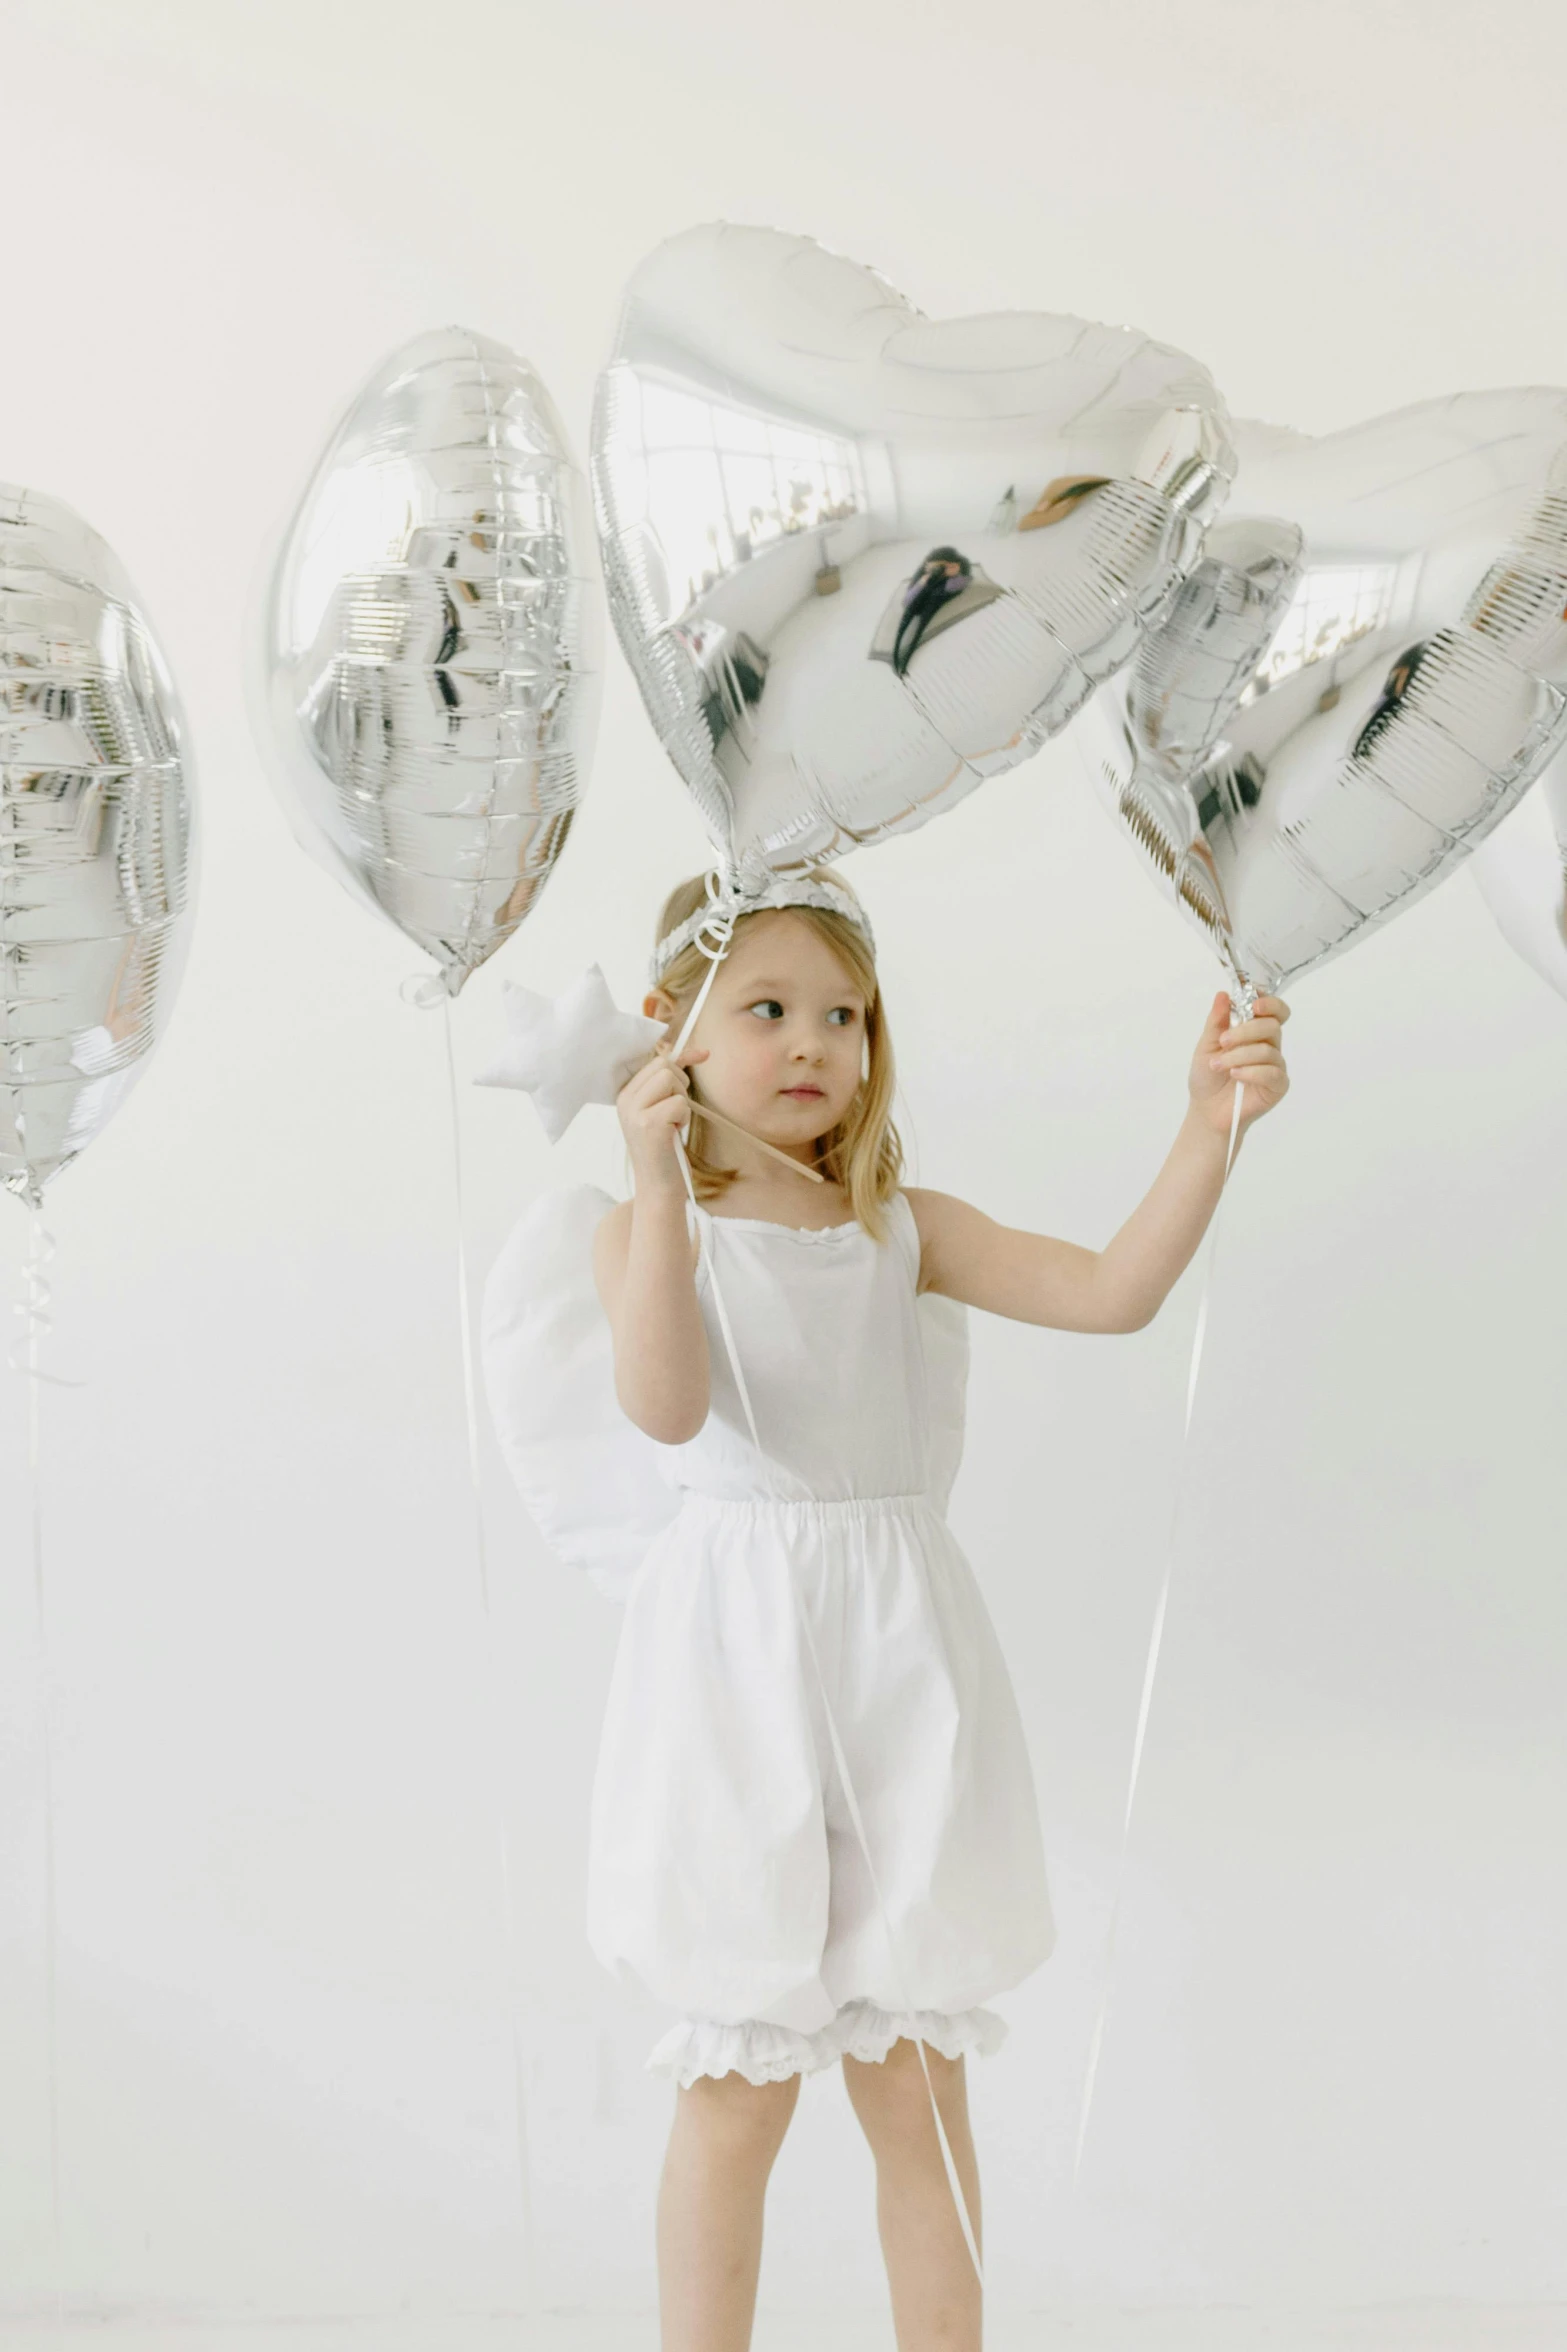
(712, 937)
(33, 1310)
(721, 931)
(426, 993)
(1246, 1000)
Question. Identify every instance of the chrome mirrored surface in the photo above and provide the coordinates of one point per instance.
(97, 841)
(1362, 677)
(430, 654)
(1521, 872)
(860, 560)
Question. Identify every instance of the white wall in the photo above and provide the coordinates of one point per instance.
(1336, 2070)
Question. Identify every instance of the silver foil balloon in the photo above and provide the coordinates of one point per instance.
(1521, 872)
(1360, 679)
(97, 839)
(430, 648)
(859, 560)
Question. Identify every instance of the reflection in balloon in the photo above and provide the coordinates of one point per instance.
(1360, 679)
(97, 842)
(860, 560)
(430, 652)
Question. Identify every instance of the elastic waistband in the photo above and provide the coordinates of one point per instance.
(808, 1506)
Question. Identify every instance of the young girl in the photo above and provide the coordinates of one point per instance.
(814, 1830)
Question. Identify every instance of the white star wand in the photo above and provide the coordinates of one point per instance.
(579, 1047)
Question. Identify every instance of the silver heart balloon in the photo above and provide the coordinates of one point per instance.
(860, 560)
(1362, 676)
(427, 668)
(1521, 873)
(97, 839)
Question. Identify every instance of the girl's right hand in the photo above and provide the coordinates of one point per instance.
(653, 1107)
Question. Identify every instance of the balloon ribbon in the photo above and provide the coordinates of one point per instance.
(426, 993)
(1240, 1009)
(33, 1312)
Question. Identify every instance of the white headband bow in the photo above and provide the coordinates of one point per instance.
(729, 897)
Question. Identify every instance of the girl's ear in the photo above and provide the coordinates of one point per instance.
(659, 1005)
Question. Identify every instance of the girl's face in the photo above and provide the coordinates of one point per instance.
(784, 1025)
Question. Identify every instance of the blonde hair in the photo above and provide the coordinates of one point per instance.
(863, 1152)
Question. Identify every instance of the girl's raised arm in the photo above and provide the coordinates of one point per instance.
(1036, 1279)
(644, 1263)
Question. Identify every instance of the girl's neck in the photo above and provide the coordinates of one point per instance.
(778, 1199)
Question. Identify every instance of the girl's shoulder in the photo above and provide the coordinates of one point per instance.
(946, 1226)
(924, 1210)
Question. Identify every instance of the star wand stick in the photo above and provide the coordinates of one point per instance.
(718, 1119)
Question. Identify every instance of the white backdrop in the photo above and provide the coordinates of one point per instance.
(1336, 2069)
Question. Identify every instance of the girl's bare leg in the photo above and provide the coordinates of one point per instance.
(935, 2293)
(726, 2134)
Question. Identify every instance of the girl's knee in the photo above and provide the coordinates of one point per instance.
(890, 2098)
(741, 2119)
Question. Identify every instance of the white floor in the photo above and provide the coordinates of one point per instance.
(1393, 2328)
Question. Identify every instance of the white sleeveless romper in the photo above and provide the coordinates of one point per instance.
(724, 1871)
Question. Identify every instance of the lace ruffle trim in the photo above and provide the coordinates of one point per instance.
(766, 2053)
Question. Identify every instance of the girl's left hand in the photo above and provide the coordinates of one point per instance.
(1248, 1049)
